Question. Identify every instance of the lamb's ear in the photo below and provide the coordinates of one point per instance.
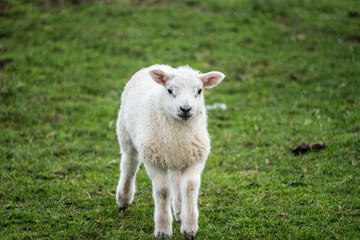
(160, 76)
(211, 79)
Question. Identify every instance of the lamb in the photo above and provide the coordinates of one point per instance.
(162, 122)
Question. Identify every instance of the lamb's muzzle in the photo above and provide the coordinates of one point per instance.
(185, 112)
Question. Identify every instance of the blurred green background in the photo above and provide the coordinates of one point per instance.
(293, 74)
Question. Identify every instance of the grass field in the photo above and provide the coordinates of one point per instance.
(293, 74)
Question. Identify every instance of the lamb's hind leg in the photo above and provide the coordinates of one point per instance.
(126, 187)
(129, 166)
(174, 177)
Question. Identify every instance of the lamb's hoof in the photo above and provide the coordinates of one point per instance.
(122, 209)
(162, 235)
(189, 235)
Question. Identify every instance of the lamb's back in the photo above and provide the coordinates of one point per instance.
(140, 95)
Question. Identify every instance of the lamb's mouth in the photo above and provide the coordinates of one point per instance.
(185, 117)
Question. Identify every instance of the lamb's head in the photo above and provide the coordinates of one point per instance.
(183, 90)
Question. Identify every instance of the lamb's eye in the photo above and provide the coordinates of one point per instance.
(170, 91)
(199, 91)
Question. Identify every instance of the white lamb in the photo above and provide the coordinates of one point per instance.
(162, 122)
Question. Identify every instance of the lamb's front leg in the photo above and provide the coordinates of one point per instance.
(161, 195)
(189, 185)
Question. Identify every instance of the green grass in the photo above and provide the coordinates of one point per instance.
(293, 73)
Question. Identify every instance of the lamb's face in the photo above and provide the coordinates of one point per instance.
(183, 99)
(183, 90)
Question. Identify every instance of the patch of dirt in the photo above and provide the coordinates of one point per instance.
(149, 3)
(353, 14)
(303, 147)
(4, 62)
(247, 40)
(212, 62)
(310, 48)
(45, 5)
(10, 155)
(4, 6)
(123, 35)
(354, 38)
(262, 62)
(292, 78)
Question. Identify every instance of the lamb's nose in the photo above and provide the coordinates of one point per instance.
(185, 109)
